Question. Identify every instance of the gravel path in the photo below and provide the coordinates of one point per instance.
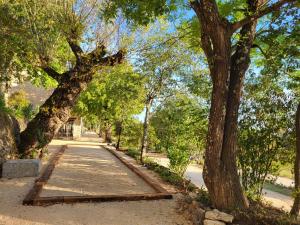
(12, 193)
(92, 170)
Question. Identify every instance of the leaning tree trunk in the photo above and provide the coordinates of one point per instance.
(53, 113)
(144, 144)
(296, 206)
(57, 108)
(227, 71)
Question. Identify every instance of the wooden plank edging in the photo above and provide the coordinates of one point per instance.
(35, 191)
(155, 185)
(98, 198)
(33, 197)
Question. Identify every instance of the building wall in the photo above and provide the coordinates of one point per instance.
(77, 126)
(36, 95)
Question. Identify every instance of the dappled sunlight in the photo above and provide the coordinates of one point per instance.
(92, 170)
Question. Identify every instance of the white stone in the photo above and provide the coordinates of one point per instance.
(217, 215)
(212, 222)
(21, 168)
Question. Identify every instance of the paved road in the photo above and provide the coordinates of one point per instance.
(194, 173)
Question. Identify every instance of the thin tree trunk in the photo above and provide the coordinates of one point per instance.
(119, 133)
(108, 138)
(100, 132)
(144, 143)
(296, 206)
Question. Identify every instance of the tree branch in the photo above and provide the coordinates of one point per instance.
(260, 13)
(112, 60)
(260, 49)
(76, 49)
(98, 52)
(52, 73)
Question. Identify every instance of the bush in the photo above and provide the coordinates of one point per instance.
(179, 157)
(20, 106)
(134, 153)
(265, 138)
(169, 176)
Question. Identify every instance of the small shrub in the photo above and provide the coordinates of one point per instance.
(169, 176)
(134, 153)
(203, 197)
(179, 157)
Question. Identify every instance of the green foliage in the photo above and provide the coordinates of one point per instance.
(179, 157)
(180, 123)
(161, 58)
(169, 176)
(266, 134)
(31, 34)
(138, 11)
(203, 197)
(20, 106)
(115, 95)
(134, 153)
(3, 106)
(132, 133)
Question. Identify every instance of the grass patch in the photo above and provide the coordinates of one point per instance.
(133, 153)
(278, 188)
(286, 171)
(165, 173)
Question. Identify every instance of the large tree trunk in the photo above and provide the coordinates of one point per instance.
(144, 143)
(53, 113)
(296, 206)
(57, 108)
(227, 72)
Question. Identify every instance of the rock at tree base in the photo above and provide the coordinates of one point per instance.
(21, 168)
(9, 136)
(217, 215)
(212, 222)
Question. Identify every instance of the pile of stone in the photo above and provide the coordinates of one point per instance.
(200, 215)
(9, 136)
(10, 165)
(215, 217)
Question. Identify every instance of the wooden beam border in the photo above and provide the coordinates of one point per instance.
(33, 197)
(155, 185)
(35, 191)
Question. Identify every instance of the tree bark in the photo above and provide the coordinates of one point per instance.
(108, 138)
(296, 206)
(227, 71)
(119, 133)
(144, 143)
(57, 108)
(52, 114)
